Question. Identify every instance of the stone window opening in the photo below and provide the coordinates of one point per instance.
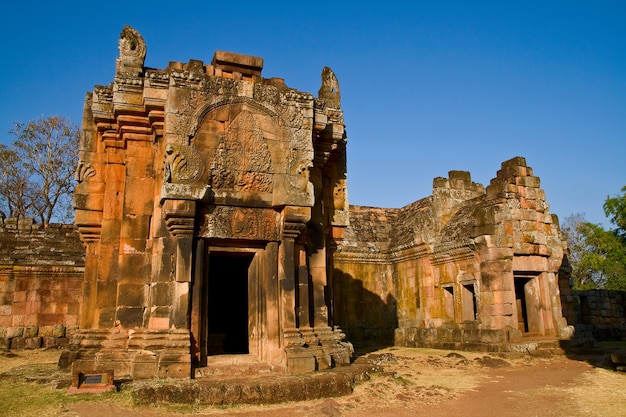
(448, 301)
(470, 309)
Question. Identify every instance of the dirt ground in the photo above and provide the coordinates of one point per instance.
(415, 382)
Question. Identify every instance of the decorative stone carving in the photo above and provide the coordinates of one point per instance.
(225, 222)
(84, 172)
(339, 195)
(181, 165)
(132, 53)
(242, 161)
(329, 92)
(299, 178)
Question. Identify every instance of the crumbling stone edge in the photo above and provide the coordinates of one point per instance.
(270, 389)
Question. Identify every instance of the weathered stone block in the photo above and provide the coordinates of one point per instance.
(13, 332)
(32, 342)
(131, 294)
(18, 343)
(30, 331)
(130, 316)
(300, 364)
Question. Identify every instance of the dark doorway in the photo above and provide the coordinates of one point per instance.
(227, 303)
(520, 301)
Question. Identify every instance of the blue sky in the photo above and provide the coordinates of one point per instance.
(426, 86)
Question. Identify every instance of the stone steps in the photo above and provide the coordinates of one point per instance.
(227, 366)
(236, 370)
(274, 388)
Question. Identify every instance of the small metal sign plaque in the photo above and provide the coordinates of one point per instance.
(92, 382)
(93, 379)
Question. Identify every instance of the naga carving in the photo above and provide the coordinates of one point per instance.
(132, 52)
(181, 165)
(329, 92)
(84, 172)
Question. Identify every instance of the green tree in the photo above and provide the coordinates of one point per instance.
(597, 255)
(38, 170)
(615, 210)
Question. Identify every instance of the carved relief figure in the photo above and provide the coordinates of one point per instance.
(242, 161)
(339, 196)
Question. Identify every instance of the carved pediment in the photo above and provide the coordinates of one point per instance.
(242, 160)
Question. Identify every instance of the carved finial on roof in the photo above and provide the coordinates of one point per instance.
(132, 52)
(329, 92)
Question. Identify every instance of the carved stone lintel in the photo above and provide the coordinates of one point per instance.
(185, 192)
(246, 223)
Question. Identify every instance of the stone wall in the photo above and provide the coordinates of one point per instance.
(600, 314)
(465, 266)
(41, 277)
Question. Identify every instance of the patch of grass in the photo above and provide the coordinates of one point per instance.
(29, 399)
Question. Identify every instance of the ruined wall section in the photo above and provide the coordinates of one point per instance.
(364, 288)
(464, 260)
(518, 242)
(601, 314)
(40, 283)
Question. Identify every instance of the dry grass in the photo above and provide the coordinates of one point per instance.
(600, 392)
(414, 380)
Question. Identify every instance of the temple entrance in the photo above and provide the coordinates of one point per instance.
(227, 303)
(528, 303)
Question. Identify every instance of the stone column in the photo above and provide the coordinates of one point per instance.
(303, 307)
(288, 277)
(180, 220)
(317, 264)
(270, 335)
(198, 334)
(299, 357)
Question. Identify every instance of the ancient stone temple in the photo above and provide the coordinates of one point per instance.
(468, 267)
(213, 208)
(209, 199)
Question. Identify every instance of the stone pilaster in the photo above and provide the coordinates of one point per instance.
(180, 220)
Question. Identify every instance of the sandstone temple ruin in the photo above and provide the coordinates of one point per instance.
(213, 209)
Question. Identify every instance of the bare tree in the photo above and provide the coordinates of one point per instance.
(14, 185)
(38, 169)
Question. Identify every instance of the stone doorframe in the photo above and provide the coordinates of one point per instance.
(262, 295)
(531, 309)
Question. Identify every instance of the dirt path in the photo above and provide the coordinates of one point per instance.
(518, 391)
(429, 383)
